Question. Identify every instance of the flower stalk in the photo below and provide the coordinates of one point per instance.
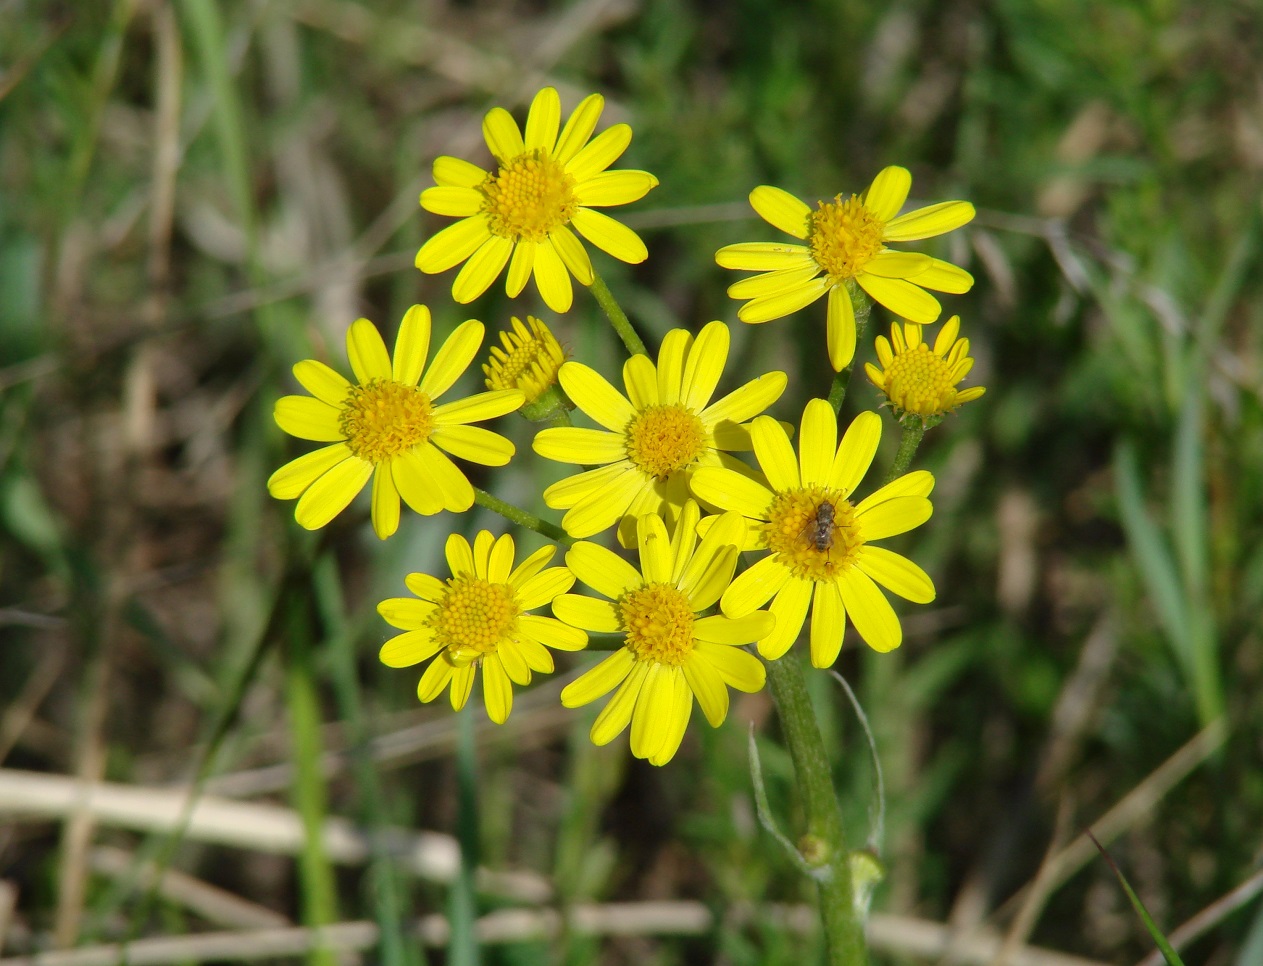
(618, 318)
(519, 516)
(823, 843)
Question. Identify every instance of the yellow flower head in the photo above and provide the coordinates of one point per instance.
(529, 360)
(918, 380)
(479, 618)
(820, 541)
(671, 653)
(388, 425)
(521, 214)
(846, 243)
(655, 436)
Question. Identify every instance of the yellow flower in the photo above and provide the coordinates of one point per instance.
(654, 437)
(919, 380)
(671, 653)
(846, 240)
(386, 425)
(821, 544)
(529, 360)
(478, 617)
(521, 214)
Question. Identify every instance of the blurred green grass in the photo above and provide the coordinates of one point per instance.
(185, 212)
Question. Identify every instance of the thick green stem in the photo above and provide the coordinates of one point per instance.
(863, 307)
(618, 318)
(521, 517)
(823, 844)
(913, 433)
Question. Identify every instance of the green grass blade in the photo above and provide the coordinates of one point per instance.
(1160, 940)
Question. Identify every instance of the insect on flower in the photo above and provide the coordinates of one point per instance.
(820, 527)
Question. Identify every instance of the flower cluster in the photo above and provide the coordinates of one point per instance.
(665, 461)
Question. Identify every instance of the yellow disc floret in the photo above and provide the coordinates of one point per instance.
(474, 617)
(812, 531)
(844, 236)
(663, 439)
(382, 419)
(918, 381)
(529, 361)
(528, 197)
(659, 624)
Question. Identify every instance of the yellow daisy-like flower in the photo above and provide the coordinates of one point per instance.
(387, 425)
(671, 652)
(846, 241)
(529, 361)
(522, 213)
(478, 617)
(919, 380)
(655, 436)
(821, 543)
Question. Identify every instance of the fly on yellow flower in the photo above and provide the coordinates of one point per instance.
(478, 617)
(387, 425)
(921, 381)
(671, 654)
(529, 360)
(822, 551)
(521, 214)
(846, 241)
(655, 436)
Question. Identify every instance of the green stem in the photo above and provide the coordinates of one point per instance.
(913, 433)
(320, 905)
(462, 949)
(863, 307)
(618, 318)
(823, 844)
(521, 517)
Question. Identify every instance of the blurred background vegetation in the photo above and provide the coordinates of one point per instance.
(194, 195)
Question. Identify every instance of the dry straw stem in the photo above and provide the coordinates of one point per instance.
(264, 828)
(897, 935)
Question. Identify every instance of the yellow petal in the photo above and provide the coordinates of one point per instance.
(746, 402)
(787, 303)
(671, 355)
(474, 443)
(652, 715)
(739, 668)
(775, 454)
(457, 173)
(288, 482)
(435, 679)
(896, 573)
(602, 570)
(367, 352)
(901, 297)
(588, 613)
(385, 503)
(719, 629)
(520, 267)
(614, 188)
(540, 589)
(552, 279)
(579, 128)
(870, 611)
(770, 284)
(640, 378)
(308, 418)
(704, 366)
(781, 210)
(891, 517)
(598, 681)
(460, 556)
(453, 358)
(410, 475)
(929, 221)
(655, 549)
(943, 276)
(601, 510)
(331, 493)
(450, 484)
(828, 624)
(324, 383)
(596, 397)
(856, 452)
(407, 613)
(612, 237)
(572, 253)
(889, 190)
(412, 346)
(453, 245)
(502, 135)
(408, 649)
(817, 442)
(616, 715)
(889, 264)
(483, 268)
(754, 587)
(730, 490)
(764, 257)
(708, 687)
(570, 444)
(543, 120)
(789, 607)
(480, 406)
(840, 328)
(452, 201)
(599, 153)
(497, 691)
(553, 633)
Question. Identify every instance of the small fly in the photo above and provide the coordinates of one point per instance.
(820, 527)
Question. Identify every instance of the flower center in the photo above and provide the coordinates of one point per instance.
(844, 236)
(528, 197)
(918, 381)
(659, 624)
(663, 439)
(529, 360)
(383, 418)
(812, 531)
(474, 617)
